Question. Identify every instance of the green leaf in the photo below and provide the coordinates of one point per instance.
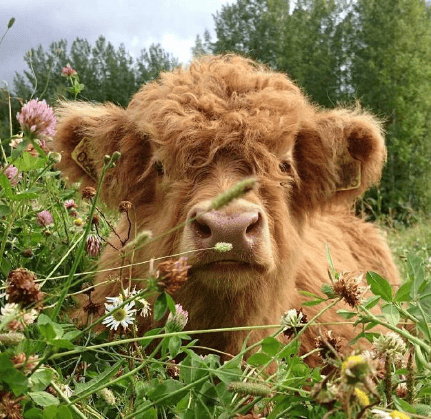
(403, 293)
(4, 210)
(172, 389)
(313, 302)
(271, 346)
(41, 379)
(379, 285)
(27, 162)
(62, 343)
(42, 398)
(160, 306)
(259, 359)
(346, 314)
(24, 196)
(391, 314)
(371, 302)
(100, 380)
(33, 413)
(16, 380)
(5, 185)
(170, 303)
(174, 346)
(416, 274)
(43, 319)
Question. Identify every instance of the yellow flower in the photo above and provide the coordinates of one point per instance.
(354, 369)
(362, 397)
(398, 415)
(78, 222)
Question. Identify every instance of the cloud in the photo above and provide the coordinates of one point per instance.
(137, 24)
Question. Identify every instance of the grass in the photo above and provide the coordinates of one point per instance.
(51, 369)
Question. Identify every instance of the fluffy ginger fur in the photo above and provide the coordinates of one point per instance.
(209, 125)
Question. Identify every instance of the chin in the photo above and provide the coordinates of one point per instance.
(228, 276)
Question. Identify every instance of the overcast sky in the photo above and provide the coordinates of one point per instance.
(136, 23)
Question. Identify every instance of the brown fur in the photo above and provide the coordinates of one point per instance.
(219, 120)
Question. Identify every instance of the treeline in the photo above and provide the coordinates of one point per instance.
(340, 52)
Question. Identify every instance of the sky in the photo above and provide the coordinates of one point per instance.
(135, 23)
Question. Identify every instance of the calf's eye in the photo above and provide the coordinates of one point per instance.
(158, 165)
(285, 166)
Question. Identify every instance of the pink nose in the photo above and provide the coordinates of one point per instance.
(242, 227)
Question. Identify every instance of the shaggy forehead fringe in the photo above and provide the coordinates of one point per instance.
(223, 102)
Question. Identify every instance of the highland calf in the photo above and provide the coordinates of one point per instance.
(197, 131)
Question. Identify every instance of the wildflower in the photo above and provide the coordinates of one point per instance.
(92, 245)
(143, 306)
(173, 274)
(38, 118)
(12, 173)
(22, 287)
(88, 192)
(125, 206)
(354, 369)
(78, 222)
(22, 361)
(32, 150)
(401, 390)
(362, 397)
(123, 316)
(68, 71)
(10, 406)
(390, 344)
(11, 338)
(15, 318)
(16, 140)
(44, 218)
(177, 322)
(293, 321)
(69, 203)
(347, 288)
(329, 345)
(54, 157)
(223, 247)
(395, 414)
(172, 369)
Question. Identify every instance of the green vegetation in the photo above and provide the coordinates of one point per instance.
(51, 236)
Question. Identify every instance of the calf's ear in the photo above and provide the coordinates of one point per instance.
(86, 133)
(338, 158)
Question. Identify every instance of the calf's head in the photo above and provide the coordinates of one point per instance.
(196, 132)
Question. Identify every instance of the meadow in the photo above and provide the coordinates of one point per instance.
(51, 236)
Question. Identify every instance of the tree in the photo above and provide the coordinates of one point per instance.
(390, 47)
(108, 73)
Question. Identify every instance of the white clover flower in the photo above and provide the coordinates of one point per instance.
(123, 316)
(293, 318)
(10, 311)
(391, 343)
(177, 322)
(30, 316)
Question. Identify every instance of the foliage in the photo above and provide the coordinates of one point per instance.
(109, 74)
(51, 369)
(341, 52)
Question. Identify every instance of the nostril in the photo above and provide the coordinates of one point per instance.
(202, 229)
(254, 225)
